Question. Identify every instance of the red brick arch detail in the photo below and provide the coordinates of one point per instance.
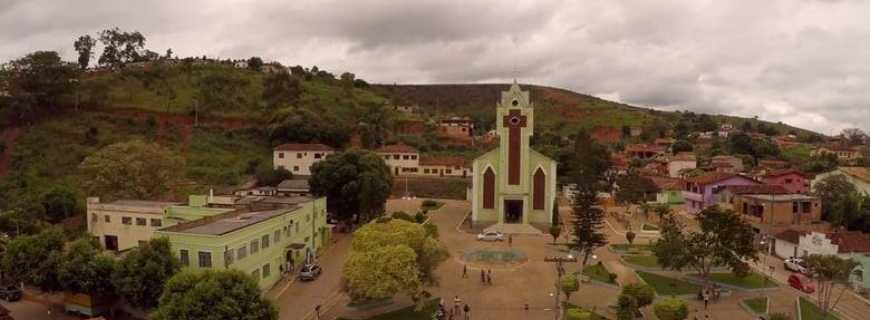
(538, 190)
(489, 189)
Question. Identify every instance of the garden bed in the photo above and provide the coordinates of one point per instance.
(668, 286)
(756, 305)
(408, 313)
(649, 227)
(644, 261)
(751, 281)
(809, 311)
(598, 272)
(631, 248)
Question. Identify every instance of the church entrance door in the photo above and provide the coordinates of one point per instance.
(513, 211)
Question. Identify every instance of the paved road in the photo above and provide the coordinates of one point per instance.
(296, 301)
(30, 310)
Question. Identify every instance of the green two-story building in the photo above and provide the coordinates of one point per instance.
(266, 244)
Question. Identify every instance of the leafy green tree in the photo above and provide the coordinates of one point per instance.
(629, 236)
(84, 45)
(60, 202)
(134, 170)
(830, 271)
(373, 125)
(681, 146)
(121, 47)
(671, 309)
(355, 183)
(725, 239)
(428, 252)
(255, 63)
(588, 165)
(303, 126)
(213, 295)
(741, 143)
(281, 89)
(831, 190)
(38, 79)
(267, 176)
(569, 285)
(381, 272)
(634, 188)
(34, 259)
(84, 268)
(642, 294)
(141, 274)
(626, 307)
(17, 221)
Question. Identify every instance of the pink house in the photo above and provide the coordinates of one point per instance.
(699, 192)
(792, 180)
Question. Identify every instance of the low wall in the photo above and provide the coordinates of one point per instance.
(431, 187)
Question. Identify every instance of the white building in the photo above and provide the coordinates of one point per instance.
(402, 159)
(298, 157)
(844, 243)
(859, 176)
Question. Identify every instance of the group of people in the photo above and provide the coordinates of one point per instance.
(709, 293)
(459, 310)
(485, 275)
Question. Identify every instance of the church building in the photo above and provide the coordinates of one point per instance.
(513, 184)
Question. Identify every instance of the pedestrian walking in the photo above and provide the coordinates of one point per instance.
(489, 276)
(456, 304)
(482, 276)
(465, 271)
(467, 310)
(706, 299)
(510, 240)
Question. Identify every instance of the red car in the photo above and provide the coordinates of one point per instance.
(801, 282)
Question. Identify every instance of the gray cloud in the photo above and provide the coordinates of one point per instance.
(800, 62)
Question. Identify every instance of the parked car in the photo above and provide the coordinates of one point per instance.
(10, 293)
(490, 236)
(795, 264)
(801, 282)
(309, 272)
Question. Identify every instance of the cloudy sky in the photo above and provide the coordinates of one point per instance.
(806, 63)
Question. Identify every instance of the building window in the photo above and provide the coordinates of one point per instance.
(805, 207)
(295, 168)
(228, 257)
(395, 157)
(241, 253)
(426, 171)
(788, 181)
(413, 157)
(317, 156)
(255, 246)
(266, 270)
(387, 157)
(127, 220)
(449, 171)
(140, 221)
(287, 231)
(406, 157)
(277, 236)
(204, 259)
(794, 207)
(280, 155)
(184, 257)
(107, 218)
(299, 155)
(156, 222)
(265, 241)
(142, 243)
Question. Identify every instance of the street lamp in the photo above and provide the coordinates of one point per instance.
(769, 244)
(559, 271)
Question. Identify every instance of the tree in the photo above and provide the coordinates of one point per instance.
(134, 170)
(140, 275)
(569, 285)
(830, 271)
(381, 273)
(210, 294)
(356, 183)
(34, 259)
(85, 269)
(555, 231)
(831, 190)
(626, 308)
(588, 166)
(121, 47)
(281, 89)
(428, 252)
(741, 143)
(304, 126)
(267, 176)
(85, 47)
(629, 236)
(38, 79)
(854, 136)
(642, 294)
(725, 239)
(634, 188)
(374, 123)
(255, 63)
(681, 146)
(577, 314)
(60, 203)
(671, 309)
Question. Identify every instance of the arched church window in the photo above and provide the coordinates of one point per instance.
(538, 190)
(489, 189)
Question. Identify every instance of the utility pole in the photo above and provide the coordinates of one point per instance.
(560, 270)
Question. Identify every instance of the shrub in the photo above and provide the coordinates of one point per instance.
(612, 277)
(431, 230)
(642, 294)
(577, 314)
(403, 216)
(419, 217)
(671, 309)
(429, 203)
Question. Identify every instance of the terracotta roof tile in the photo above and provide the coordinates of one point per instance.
(785, 172)
(397, 148)
(303, 147)
(789, 235)
(851, 241)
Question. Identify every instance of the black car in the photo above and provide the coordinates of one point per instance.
(10, 293)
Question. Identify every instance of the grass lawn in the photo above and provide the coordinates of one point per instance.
(752, 281)
(631, 247)
(667, 286)
(430, 205)
(649, 227)
(809, 311)
(595, 316)
(598, 272)
(408, 313)
(758, 305)
(642, 260)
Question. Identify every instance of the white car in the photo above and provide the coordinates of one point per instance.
(490, 236)
(795, 264)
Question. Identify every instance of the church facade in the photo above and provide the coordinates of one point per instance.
(513, 184)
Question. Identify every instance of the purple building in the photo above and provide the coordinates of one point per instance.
(700, 192)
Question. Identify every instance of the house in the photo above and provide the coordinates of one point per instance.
(401, 158)
(845, 244)
(273, 67)
(268, 245)
(772, 164)
(792, 180)
(681, 163)
(786, 243)
(725, 196)
(241, 64)
(670, 190)
(728, 162)
(725, 129)
(444, 167)
(858, 176)
(771, 213)
(410, 126)
(665, 142)
(786, 141)
(406, 108)
(458, 127)
(257, 191)
(635, 131)
(124, 224)
(298, 157)
(845, 154)
(294, 188)
(645, 151)
(699, 191)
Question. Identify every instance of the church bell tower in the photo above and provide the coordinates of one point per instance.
(515, 124)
